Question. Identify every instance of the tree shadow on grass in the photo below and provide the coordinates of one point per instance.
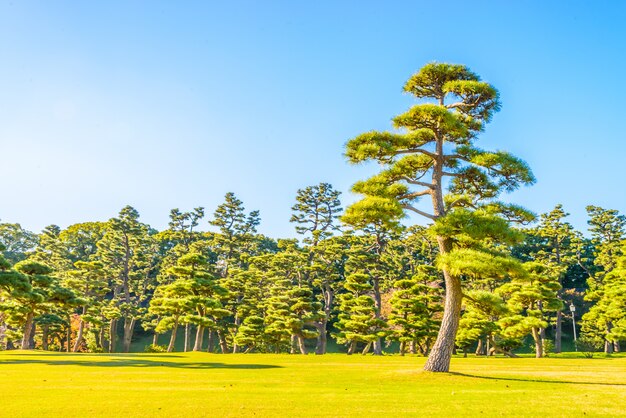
(519, 379)
(53, 354)
(131, 362)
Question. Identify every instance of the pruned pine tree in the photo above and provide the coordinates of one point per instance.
(35, 292)
(327, 268)
(605, 322)
(434, 154)
(9, 280)
(530, 297)
(557, 248)
(175, 242)
(360, 319)
(88, 280)
(17, 242)
(233, 244)
(479, 324)
(129, 253)
(292, 310)
(607, 229)
(316, 211)
(415, 304)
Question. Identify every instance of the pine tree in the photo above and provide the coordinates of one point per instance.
(34, 292)
(607, 229)
(557, 250)
(316, 210)
(530, 297)
(437, 145)
(129, 253)
(359, 320)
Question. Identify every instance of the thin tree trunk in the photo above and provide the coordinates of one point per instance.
(129, 328)
(351, 347)
(209, 348)
(538, 343)
(301, 345)
(171, 346)
(112, 335)
(413, 347)
(378, 346)
(480, 347)
(223, 343)
(44, 337)
(155, 338)
(28, 329)
(102, 339)
(294, 342)
(367, 348)
(322, 338)
(68, 334)
(608, 345)
(199, 338)
(558, 334)
(79, 335)
(320, 347)
(187, 331)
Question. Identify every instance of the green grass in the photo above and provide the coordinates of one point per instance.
(200, 384)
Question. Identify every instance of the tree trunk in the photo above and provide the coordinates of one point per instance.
(68, 334)
(209, 348)
(351, 347)
(171, 347)
(367, 348)
(293, 344)
(413, 347)
(28, 329)
(301, 345)
(402, 347)
(322, 338)
(129, 328)
(223, 343)
(112, 335)
(480, 348)
(187, 332)
(199, 338)
(608, 345)
(378, 346)
(616, 346)
(79, 335)
(558, 334)
(102, 340)
(320, 347)
(538, 343)
(155, 338)
(44, 337)
(441, 353)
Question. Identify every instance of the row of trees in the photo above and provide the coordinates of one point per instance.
(92, 286)
(483, 275)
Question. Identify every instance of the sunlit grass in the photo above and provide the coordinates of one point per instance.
(200, 384)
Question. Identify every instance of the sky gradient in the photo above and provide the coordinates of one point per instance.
(162, 104)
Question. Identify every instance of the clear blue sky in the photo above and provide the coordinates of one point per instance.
(163, 104)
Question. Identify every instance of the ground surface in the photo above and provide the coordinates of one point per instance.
(200, 384)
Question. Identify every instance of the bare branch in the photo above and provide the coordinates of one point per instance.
(419, 212)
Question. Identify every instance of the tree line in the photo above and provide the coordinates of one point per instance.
(483, 275)
(92, 286)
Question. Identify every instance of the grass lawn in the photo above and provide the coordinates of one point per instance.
(200, 384)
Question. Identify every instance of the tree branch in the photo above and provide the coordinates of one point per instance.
(419, 212)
